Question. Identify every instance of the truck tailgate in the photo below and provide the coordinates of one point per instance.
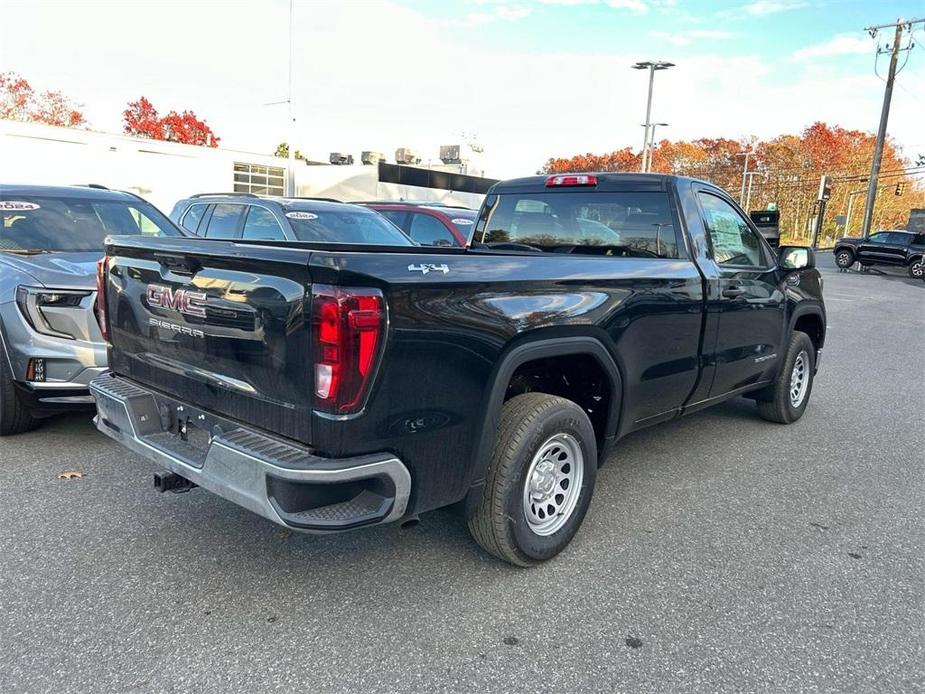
(195, 320)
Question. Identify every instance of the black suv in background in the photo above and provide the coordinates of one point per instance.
(896, 248)
(247, 216)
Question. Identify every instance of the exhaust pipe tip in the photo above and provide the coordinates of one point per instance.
(409, 523)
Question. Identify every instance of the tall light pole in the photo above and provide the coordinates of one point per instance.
(651, 66)
(652, 144)
(745, 154)
(290, 168)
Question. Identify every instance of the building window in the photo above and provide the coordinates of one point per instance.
(259, 179)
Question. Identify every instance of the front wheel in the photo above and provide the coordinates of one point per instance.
(844, 258)
(786, 398)
(540, 479)
(15, 417)
(917, 269)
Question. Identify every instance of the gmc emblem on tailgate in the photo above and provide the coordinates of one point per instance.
(182, 300)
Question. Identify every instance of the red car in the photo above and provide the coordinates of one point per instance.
(430, 224)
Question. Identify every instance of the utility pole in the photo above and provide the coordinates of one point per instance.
(651, 66)
(894, 52)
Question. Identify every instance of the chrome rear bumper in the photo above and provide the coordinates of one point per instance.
(279, 480)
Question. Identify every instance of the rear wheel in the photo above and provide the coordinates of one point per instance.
(15, 417)
(844, 258)
(785, 400)
(540, 479)
(917, 269)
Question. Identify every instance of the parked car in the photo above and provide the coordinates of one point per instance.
(370, 384)
(895, 248)
(427, 223)
(251, 217)
(50, 343)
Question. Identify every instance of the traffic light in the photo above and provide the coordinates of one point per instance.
(825, 188)
(900, 188)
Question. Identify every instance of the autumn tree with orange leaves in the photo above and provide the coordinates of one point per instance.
(787, 172)
(141, 119)
(19, 101)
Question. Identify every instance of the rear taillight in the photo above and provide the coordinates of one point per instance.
(101, 266)
(571, 180)
(348, 328)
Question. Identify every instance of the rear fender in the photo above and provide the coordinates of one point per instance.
(518, 355)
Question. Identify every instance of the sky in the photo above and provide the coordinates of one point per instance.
(527, 79)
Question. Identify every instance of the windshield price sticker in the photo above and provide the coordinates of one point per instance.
(17, 205)
(301, 215)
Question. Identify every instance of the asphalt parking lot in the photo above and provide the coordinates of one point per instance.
(721, 553)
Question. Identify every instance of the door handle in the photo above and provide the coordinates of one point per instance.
(733, 292)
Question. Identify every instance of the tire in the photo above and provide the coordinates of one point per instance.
(786, 398)
(844, 258)
(15, 418)
(552, 439)
(917, 269)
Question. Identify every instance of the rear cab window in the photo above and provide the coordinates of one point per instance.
(62, 224)
(628, 224)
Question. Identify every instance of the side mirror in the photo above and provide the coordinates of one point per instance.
(797, 257)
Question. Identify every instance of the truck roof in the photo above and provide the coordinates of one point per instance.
(606, 181)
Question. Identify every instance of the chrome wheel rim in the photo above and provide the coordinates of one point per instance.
(553, 484)
(799, 379)
(918, 269)
(844, 259)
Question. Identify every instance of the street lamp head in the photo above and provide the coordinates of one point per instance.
(654, 64)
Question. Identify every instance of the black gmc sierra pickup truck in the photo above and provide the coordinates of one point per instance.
(330, 386)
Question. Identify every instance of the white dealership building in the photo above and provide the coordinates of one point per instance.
(164, 172)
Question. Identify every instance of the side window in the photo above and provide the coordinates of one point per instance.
(223, 224)
(261, 224)
(429, 231)
(900, 239)
(193, 216)
(146, 226)
(734, 243)
(398, 218)
(879, 237)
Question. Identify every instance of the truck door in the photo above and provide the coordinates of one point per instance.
(882, 248)
(747, 296)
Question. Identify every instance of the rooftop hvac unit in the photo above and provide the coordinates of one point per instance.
(372, 158)
(341, 159)
(449, 154)
(406, 155)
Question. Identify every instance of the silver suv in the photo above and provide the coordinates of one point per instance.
(50, 343)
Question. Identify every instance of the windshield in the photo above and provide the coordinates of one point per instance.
(347, 225)
(35, 223)
(630, 223)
